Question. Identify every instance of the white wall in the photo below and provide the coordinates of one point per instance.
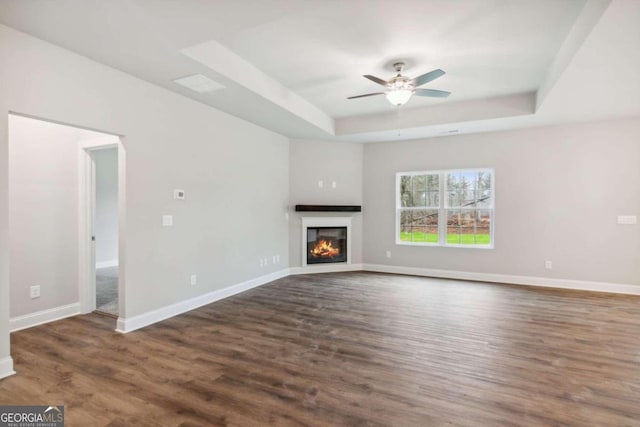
(558, 192)
(235, 175)
(106, 222)
(43, 213)
(312, 161)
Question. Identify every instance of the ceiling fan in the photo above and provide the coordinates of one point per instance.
(401, 88)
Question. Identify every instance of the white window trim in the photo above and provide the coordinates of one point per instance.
(442, 209)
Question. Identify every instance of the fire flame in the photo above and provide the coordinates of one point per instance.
(325, 248)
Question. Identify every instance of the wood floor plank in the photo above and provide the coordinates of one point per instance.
(353, 349)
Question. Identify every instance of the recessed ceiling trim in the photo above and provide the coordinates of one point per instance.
(441, 114)
(225, 62)
(586, 22)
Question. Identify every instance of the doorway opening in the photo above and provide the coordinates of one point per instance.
(56, 182)
(105, 235)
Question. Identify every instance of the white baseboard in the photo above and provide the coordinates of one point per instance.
(6, 367)
(325, 268)
(44, 316)
(125, 325)
(105, 264)
(583, 285)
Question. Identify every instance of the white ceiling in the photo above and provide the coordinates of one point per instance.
(289, 65)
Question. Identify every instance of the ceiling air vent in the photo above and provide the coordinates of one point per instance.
(199, 83)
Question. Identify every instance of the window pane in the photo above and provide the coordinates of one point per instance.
(419, 234)
(406, 199)
(453, 199)
(433, 199)
(469, 189)
(431, 221)
(483, 236)
(453, 227)
(419, 226)
(417, 191)
(453, 237)
(433, 183)
(484, 199)
(419, 198)
(405, 183)
(405, 226)
(469, 227)
(419, 183)
(483, 227)
(453, 180)
(432, 233)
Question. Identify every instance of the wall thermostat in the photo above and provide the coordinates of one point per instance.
(178, 194)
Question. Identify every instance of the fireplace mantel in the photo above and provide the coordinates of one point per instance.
(328, 208)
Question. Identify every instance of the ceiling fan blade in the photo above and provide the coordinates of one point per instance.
(376, 80)
(432, 92)
(426, 78)
(368, 94)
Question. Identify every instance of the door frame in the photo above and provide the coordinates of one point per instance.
(87, 215)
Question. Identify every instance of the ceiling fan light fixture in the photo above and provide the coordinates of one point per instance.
(400, 89)
(398, 97)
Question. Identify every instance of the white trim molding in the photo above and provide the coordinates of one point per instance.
(126, 325)
(547, 282)
(45, 316)
(106, 264)
(6, 367)
(325, 268)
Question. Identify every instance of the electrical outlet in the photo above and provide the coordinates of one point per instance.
(194, 279)
(334, 184)
(548, 265)
(278, 258)
(274, 259)
(388, 254)
(34, 291)
(320, 184)
(261, 262)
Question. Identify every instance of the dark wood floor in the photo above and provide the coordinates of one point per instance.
(348, 349)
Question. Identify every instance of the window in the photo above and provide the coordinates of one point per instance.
(445, 208)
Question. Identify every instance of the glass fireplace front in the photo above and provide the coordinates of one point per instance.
(326, 244)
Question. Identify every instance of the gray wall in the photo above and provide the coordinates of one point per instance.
(312, 161)
(558, 192)
(235, 174)
(106, 223)
(43, 214)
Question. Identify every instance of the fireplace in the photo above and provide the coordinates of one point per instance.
(326, 244)
(326, 241)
